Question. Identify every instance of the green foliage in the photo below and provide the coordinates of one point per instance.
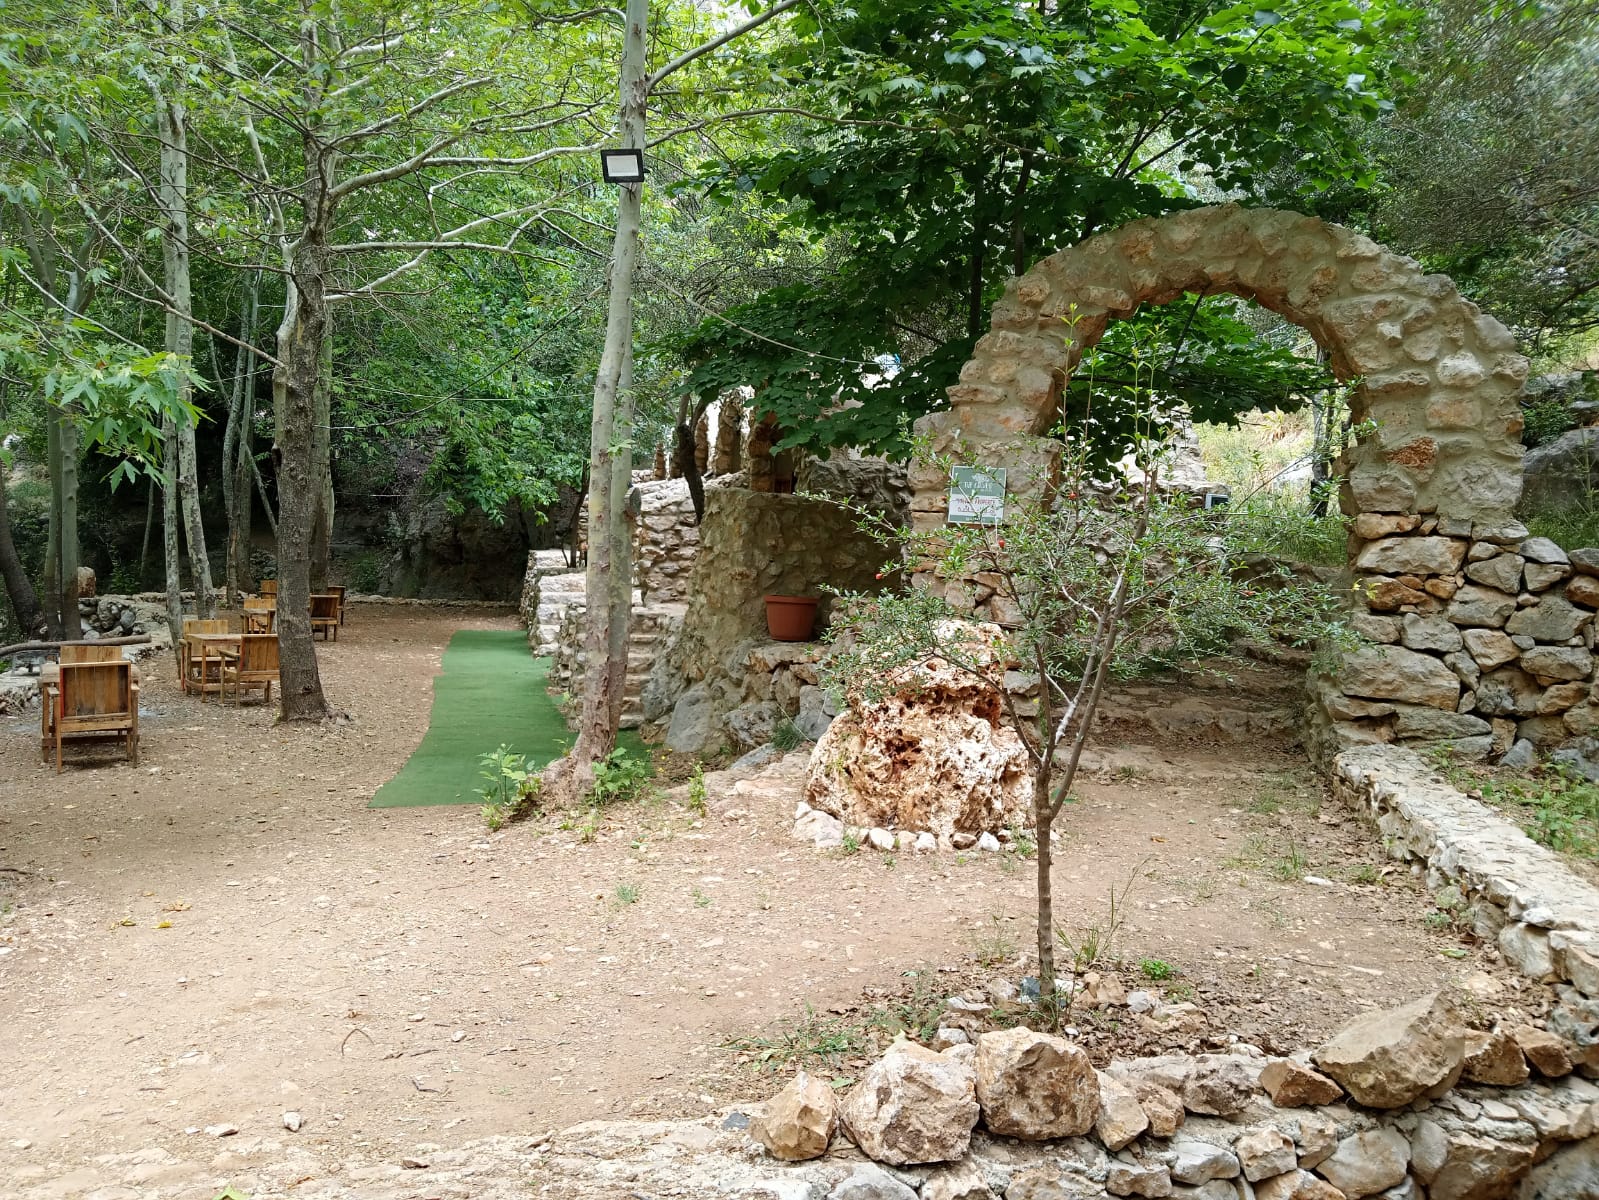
(786, 735)
(510, 791)
(1157, 970)
(1572, 526)
(1546, 417)
(1557, 807)
(619, 778)
(959, 141)
(1284, 525)
(696, 790)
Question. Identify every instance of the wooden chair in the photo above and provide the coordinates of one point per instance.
(97, 699)
(260, 614)
(338, 589)
(325, 615)
(267, 587)
(253, 665)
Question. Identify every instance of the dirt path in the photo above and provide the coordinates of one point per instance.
(226, 932)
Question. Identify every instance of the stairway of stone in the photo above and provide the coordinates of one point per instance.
(652, 627)
(558, 594)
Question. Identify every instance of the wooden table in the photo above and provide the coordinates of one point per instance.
(205, 645)
(49, 687)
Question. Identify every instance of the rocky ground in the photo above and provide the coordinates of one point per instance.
(227, 933)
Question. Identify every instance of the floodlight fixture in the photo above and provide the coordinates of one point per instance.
(622, 166)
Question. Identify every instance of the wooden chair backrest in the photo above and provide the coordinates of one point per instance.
(260, 603)
(258, 653)
(337, 589)
(95, 689)
(210, 625)
(269, 587)
(82, 652)
(325, 607)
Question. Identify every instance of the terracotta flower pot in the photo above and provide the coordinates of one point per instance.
(790, 618)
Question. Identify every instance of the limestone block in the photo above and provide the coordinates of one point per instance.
(1552, 619)
(1035, 1086)
(1584, 589)
(1138, 1179)
(912, 1106)
(1479, 1167)
(1501, 572)
(1370, 526)
(1121, 1117)
(1429, 633)
(1543, 550)
(1508, 692)
(799, 1121)
(1412, 556)
(963, 1181)
(1367, 1163)
(1481, 606)
(1263, 1153)
(1383, 594)
(1387, 1059)
(1494, 1058)
(1394, 673)
(1547, 1052)
(1490, 648)
(1161, 1105)
(1541, 578)
(1561, 697)
(1558, 662)
(1375, 628)
(1291, 1084)
(1194, 1161)
(1297, 1184)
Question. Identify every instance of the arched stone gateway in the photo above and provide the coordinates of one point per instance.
(1479, 634)
(1441, 378)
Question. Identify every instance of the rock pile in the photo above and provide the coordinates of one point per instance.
(1399, 1105)
(1477, 636)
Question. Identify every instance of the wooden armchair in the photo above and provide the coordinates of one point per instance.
(338, 589)
(325, 615)
(253, 665)
(267, 587)
(83, 652)
(97, 700)
(260, 613)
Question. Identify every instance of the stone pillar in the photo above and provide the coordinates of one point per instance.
(660, 462)
(762, 467)
(729, 434)
(702, 444)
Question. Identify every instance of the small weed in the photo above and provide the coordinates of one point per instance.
(1439, 921)
(1021, 843)
(1089, 944)
(786, 735)
(1157, 970)
(1266, 802)
(993, 946)
(510, 791)
(1274, 913)
(1205, 888)
(627, 893)
(696, 791)
(1558, 808)
(619, 778)
(1126, 773)
(701, 900)
(851, 843)
(1290, 867)
(809, 1041)
(889, 861)
(1180, 991)
(1367, 874)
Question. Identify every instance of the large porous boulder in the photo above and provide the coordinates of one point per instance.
(1388, 1059)
(1394, 673)
(930, 753)
(1031, 1085)
(799, 1121)
(1560, 473)
(913, 1106)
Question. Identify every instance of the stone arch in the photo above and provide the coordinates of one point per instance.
(1439, 377)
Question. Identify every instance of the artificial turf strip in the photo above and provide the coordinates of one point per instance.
(492, 692)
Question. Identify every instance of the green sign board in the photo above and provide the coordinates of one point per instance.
(977, 496)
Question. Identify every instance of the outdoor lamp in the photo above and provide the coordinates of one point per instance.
(622, 166)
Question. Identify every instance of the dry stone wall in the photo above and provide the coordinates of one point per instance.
(1477, 636)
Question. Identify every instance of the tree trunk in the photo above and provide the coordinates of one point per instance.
(609, 580)
(24, 601)
(1045, 858)
(52, 550)
(174, 197)
(322, 465)
(170, 522)
(71, 624)
(149, 524)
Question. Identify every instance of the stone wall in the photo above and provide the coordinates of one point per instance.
(1516, 894)
(665, 540)
(752, 544)
(1479, 636)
